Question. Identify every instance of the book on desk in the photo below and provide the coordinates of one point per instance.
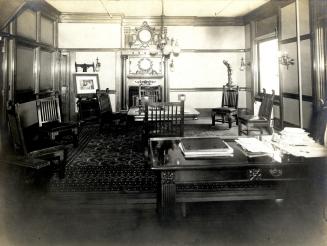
(205, 147)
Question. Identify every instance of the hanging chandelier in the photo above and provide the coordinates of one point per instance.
(167, 45)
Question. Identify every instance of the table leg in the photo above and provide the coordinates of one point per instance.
(167, 197)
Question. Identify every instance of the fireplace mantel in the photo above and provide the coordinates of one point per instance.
(140, 66)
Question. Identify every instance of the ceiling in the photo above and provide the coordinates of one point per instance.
(203, 8)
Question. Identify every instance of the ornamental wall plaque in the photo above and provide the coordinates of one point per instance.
(145, 65)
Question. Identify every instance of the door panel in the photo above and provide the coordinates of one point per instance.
(64, 86)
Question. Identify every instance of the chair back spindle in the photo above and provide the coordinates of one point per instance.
(48, 110)
(164, 119)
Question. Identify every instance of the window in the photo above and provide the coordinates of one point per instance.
(268, 65)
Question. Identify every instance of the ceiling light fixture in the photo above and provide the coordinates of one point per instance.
(167, 45)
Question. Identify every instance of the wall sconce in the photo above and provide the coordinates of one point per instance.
(172, 66)
(85, 66)
(285, 60)
(244, 64)
(97, 65)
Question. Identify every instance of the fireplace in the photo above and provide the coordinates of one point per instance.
(154, 93)
(141, 70)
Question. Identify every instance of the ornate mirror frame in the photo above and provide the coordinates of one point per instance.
(145, 34)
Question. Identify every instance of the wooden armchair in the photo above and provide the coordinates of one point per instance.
(164, 119)
(32, 152)
(262, 120)
(228, 108)
(106, 115)
(50, 123)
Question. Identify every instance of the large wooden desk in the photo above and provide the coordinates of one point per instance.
(139, 116)
(219, 178)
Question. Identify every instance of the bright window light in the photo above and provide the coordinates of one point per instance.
(269, 66)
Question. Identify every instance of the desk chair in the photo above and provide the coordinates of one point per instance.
(30, 148)
(228, 109)
(50, 123)
(262, 120)
(106, 115)
(164, 119)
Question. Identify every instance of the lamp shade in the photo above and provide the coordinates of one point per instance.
(167, 49)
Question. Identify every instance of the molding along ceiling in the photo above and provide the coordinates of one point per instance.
(203, 8)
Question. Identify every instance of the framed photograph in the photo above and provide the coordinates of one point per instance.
(86, 83)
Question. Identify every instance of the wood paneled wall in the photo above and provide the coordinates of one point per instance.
(290, 76)
(198, 68)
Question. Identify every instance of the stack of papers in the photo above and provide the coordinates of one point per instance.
(253, 147)
(296, 141)
(205, 147)
(295, 136)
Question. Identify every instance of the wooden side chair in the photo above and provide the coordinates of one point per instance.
(50, 123)
(31, 152)
(164, 119)
(260, 121)
(228, 109)
(106, 115)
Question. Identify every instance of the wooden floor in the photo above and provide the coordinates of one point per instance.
(31, 216)
(35, 218)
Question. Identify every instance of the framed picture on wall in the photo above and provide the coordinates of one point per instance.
(86, 83)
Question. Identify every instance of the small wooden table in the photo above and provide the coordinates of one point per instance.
(236, 177)
(139, 116)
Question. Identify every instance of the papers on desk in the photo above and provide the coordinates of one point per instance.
(252, 147)
(205, 147)
(296, 141)
(295, 136)
(309, 150)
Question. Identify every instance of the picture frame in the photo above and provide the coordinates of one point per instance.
(86, 83)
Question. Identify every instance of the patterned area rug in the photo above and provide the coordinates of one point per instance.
(110, 161)
(113, 161)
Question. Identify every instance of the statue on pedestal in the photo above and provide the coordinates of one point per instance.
(229, 71)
